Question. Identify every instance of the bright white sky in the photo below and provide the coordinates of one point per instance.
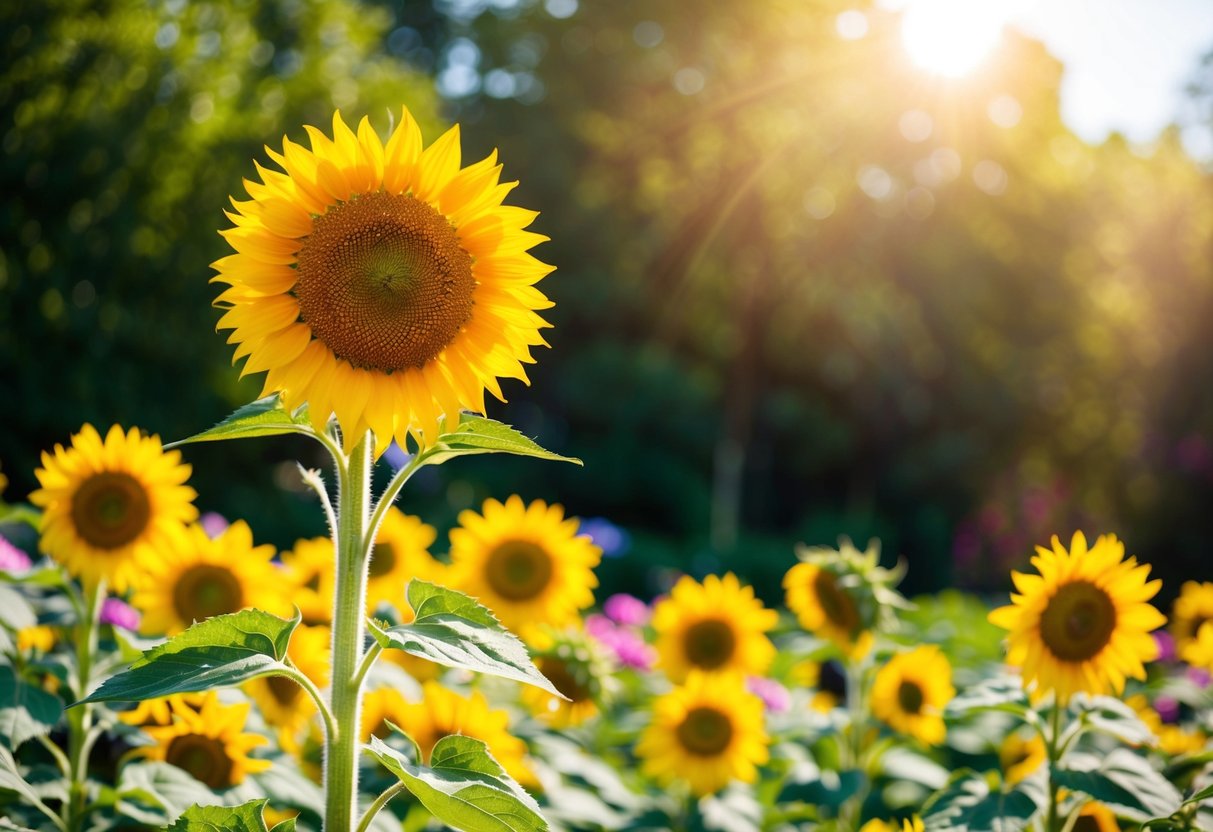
(1126, 61)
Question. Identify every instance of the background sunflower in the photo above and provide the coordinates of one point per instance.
(911, 691)
(401, 554)
(208, 741)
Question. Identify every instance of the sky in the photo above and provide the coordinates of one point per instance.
(1126, 61)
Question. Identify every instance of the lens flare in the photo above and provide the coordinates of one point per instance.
(951, 37)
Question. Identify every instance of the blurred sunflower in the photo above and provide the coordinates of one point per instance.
(401, 553)
(578, 667)
(382, 282)
(716, 626)
(1084, 622)
(310, 568)
(442, 712)
(1021, 756)
(1190, 612)
(1173, 740)
(112, 505)
(208, 741)
(708, 733)
(525, 563)
(206, 577)
(40, 637)
(280, 700)
(379, 707)
(1095, 817)
(911, 691)
(835, 594)
(160, 711)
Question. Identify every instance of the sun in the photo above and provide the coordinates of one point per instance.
(952, 37)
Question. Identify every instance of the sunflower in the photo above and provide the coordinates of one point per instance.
(911, 691)
(708, 732)
(577, 666)
(208, 741)
(1190, 612)
(209, 576)
(1173, 739)
(1084, 622)
(1021, 756)
(827, 600)
(379, 707)
(526, 563)
(311, 569)
(382, 282)
(401, 553)
(160, 711)
(40, 638)
(282, 702)
(442, 712)
(1095, 817)
(716, 626)
(112, 505)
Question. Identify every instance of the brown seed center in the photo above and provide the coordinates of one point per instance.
(519, 570)
(837, 605)
(110, 509)
(285, 691)
(383, 560)
(709, 644)
(565, 680)
(705, 731)
(910, 698)
(204, 757)
(205, 590)
(1078, 621)
(383, 281)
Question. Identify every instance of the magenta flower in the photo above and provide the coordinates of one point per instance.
(213, 523)
(630, 649)
(118, 613)
(1166, 645)
(13, 559)
(627, 610)
(773, 695)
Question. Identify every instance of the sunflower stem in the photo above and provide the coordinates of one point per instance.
(79, 720)
(389, 496)
(295, 675)
(381, 801)
(368, 661)
(1054, 748)
(349, 601)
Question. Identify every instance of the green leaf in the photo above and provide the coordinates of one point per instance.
(15, 612)
(454, 630)
(1123, 780)
(25, 711)
(478, 435)
(153, 792)
(243, 818)
(1203, 794)
(264, 417)
(20, 513)
(1113, 717)
(11, 780)
(1001, 693)
(968, 804)
(807, 783)
(219, 652)
(464, 787)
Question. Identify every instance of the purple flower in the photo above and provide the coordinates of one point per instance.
(13, 559)
(1167, 707)
(612, 540)
(773, 695)
(631, 650)
(599, 627)
(626, 609)
(1166, 646)
(118, 613)
(213, 523)
(1199, 676)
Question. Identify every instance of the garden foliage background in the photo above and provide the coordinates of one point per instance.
(785, 309)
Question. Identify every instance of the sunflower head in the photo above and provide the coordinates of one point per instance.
(401, 553)
(1020, 756)
(578, 667)
(208, 741)
(842, 594)
(1082, 623)
(1190, 612)
(714, 626)
(1095, 817)
(526, 563)
(381, 281)
(707, 733)
(111, 505)
(911, 691)
(208, 576)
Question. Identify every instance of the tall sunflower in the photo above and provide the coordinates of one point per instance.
(209, 576)
(282, 702)
(708, 733)
(443, 712)
(525, 563)
(716, 626)
(311, 569)
(1190, 612)
(911, 691)
(1084, 622)
(401, 553)
(112, 505)
(382, 282)
(208, 741)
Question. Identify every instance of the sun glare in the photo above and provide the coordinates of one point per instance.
(951, 37)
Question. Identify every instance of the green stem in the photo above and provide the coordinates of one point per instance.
(341, 759)
(389, 496)
(1053, 747)
(381, 801)
(80, 719)
(368, 661)
(295, 675)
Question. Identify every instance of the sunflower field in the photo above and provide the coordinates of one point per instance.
(802, 441)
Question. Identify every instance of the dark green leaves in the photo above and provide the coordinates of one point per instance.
(464, 787)
(1123, 780)
(968, 804)
(25, 711)
(478, 435)
(220, 652)
(453, 630)
(264, 417)
(243, 818)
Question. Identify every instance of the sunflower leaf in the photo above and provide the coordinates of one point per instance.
(1110, 716)
(455, 630)
(219, 652)
(464, 787)
(264, 417)
(479, 435)
(243, 818)
(1125, 781)
(25, 711)
(968, 803)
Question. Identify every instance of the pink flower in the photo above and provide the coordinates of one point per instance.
(1166, 645)
(118, 613)
(773, 695)
(13, 559)
(626, 644)
(213, 523)
(627, 610)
